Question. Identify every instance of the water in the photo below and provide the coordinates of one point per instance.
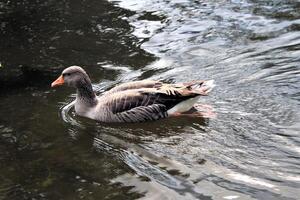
(250, 151)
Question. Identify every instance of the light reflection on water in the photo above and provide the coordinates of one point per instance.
(254, 57)
(250, 151)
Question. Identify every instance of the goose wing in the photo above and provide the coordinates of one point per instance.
(135, 85)
(146, 104)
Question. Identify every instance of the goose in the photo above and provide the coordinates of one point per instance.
(137, 101)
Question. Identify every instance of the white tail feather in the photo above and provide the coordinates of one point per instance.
(210, 85)
(183, 106)
(186, 105)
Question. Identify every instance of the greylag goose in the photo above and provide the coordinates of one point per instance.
(136, 101)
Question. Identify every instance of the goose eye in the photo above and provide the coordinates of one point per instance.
(66, 74)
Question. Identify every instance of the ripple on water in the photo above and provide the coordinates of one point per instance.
(251, 150)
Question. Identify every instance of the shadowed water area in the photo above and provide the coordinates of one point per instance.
(251, 150)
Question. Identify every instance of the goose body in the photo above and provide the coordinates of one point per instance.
(137, 101)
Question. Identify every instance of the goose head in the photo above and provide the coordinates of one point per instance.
(73, 76)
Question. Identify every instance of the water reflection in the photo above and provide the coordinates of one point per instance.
(250, 151)
(253, 55)
(47, 36)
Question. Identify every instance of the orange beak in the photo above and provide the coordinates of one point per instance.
(58, 81)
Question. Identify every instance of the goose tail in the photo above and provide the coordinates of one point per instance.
(201, 87)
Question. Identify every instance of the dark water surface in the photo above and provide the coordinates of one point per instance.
(250, 48)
